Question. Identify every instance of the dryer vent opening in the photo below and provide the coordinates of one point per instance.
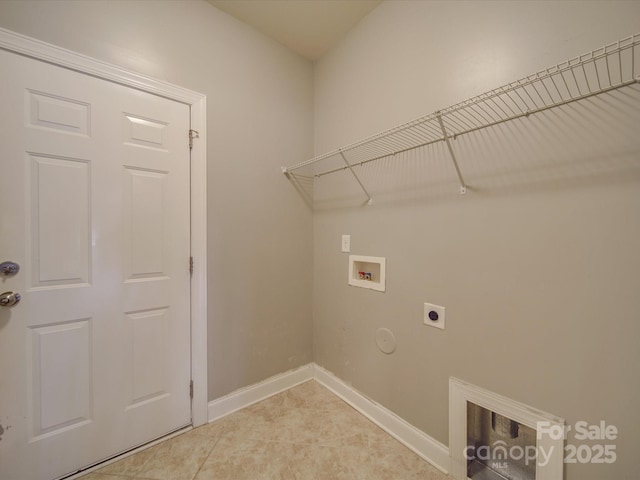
(493, 437)
(498, 447)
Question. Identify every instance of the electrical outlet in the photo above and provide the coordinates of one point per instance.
(346, 243)
(434, 315)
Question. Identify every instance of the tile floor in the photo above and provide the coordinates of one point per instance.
(305, 433)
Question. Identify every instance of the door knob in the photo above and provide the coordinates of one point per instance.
(8, 299)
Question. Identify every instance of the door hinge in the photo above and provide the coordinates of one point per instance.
(193, 134)
(191, 265)
(191, 389)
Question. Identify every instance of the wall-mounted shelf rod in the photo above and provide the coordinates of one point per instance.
(606, 69)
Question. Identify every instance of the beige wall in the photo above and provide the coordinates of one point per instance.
(537, 265)
(259, 100)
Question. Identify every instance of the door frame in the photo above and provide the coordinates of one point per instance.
(37, 49)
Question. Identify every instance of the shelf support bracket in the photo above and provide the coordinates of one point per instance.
(463, 186)
(369, 199)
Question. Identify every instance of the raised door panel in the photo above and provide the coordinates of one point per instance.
(60, 213)
(58, 113)
(144, 223)
(144, 132)
(149, 337)
(60, 369)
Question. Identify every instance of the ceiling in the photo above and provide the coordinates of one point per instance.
(308, 27)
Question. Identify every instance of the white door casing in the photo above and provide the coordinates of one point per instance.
(92, 317)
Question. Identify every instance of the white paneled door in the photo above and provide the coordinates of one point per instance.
(94, 207)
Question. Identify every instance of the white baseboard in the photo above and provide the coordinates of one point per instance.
(254, 393)
(422, 444)
(419, 442)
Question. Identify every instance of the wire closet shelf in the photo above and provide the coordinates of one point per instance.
(608, 68)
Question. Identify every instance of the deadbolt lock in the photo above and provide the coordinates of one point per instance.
(9, 268)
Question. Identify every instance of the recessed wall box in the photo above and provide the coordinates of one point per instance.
(367, 272)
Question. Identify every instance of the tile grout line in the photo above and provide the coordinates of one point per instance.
(208, 455)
